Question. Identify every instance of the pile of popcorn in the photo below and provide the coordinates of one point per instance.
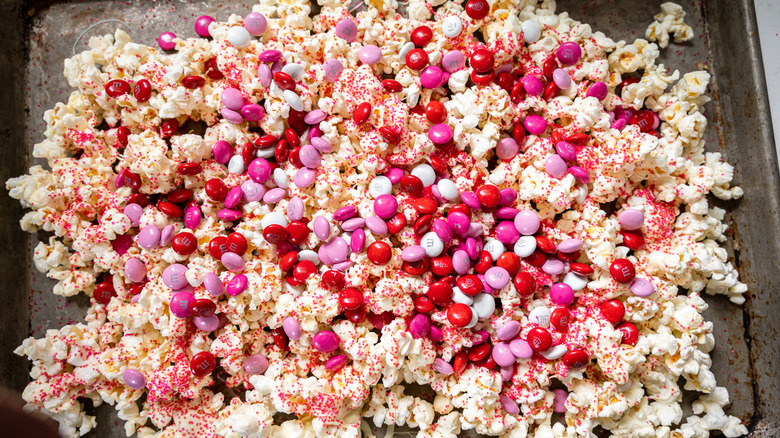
(313, 213)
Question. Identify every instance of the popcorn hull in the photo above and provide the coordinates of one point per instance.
(39, 34)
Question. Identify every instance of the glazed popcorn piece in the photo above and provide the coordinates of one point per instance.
(377, 202)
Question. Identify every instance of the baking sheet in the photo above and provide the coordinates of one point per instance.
(725, 43)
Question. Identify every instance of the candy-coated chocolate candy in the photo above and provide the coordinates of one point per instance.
(203, 364)
(459, 314)
(613, 310)
(622, 271)
(539, 339)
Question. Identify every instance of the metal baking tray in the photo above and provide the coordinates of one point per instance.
(38, 35)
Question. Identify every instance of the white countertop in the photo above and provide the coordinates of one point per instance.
(768, 17)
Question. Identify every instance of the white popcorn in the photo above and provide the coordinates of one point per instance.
(666, 177)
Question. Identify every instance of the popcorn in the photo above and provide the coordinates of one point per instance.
(659, 168)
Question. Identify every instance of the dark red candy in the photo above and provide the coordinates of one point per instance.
(210, 67)
(478, 352)
(379, 253)
(168, 128)
(622, 270)
(189, 169)
(460, 361)
(644, 119)
(236, 243)
(576, 359)
(203, 307)
(218, 246)
(560, 319)
(481, 60)
(142, 90)
(350, 298)
(484, 262)
(470, 284)
(396, 223)
(416, 268)
(170, 209)
(459, 314)
(275, 234)
(141, 199)
(417, 59)
(613, 310)
(297, 232)
(524, 283)
(488, 195)
(482, 78)
(509, 261)
(581, 268)
(362, 113)
(179, 195)
(216, 189)
(203, 363)
(440, 293)
(193, 82)
(629, 331)
(104, 291)
(356, 316)
(421, 36)
(539, 339)
(284, 81)
(288, 261)
(280, 338)
(477, 9)
(633, 239)
(304, 269)
(184, 243)
(436, 112)
(412, 185)
(442, 265)
(333, 279)
(392, 85)
(117, 87)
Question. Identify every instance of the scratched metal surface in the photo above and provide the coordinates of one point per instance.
(746, 339)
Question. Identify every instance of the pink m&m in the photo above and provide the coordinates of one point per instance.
(237, 284)
(385, 206)
(631, 219)
(255, 23)
(555, 166)
(527, 222)
(535, 125)
(252, 112)
(232, 98)
(180, 303)
(533, 86)
(335, 363)
(256, 364)
(346, 29)
(561, 294)
(292, 328)
(597, 90)
(332, 68)
(165, 41)
(310, 157)
(325, 341)
(453, 61)
(369, 54)
(419, 326)
(134, 378)
(135, 270)
(213, 284)
(222, 151)
(569, 53)
(507, 148)
(642, 287)
(173, 276)
(440, 133)
(431, 77)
